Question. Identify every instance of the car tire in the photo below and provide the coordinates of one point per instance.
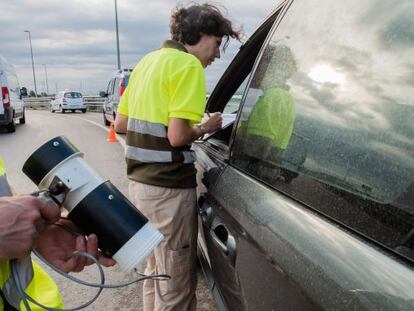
(83, 110)
(52, 110)
(106, 122)
(63, 110)
(11, 127)
(22, 120)
(73, 110)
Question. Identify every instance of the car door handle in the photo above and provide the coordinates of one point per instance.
(205, 211)
(206, 215)
(225, 241)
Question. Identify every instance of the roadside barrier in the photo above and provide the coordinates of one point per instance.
(94, 103)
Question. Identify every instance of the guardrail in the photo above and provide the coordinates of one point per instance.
(94, 103)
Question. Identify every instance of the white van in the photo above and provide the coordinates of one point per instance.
(11, 104)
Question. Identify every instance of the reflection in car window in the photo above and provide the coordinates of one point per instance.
(328, 118)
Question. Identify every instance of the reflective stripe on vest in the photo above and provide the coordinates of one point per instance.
(4, 187)
(151, 156)
(146, 127)
(25, 271)
(156, 137)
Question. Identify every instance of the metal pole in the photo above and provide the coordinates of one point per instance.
(47, 83)
(33, 68)
(117, 36)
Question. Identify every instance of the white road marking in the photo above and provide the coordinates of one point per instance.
(121, 140)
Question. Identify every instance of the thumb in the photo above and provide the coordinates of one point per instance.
(49, 210)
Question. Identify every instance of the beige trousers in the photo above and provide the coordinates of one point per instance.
(173, 212)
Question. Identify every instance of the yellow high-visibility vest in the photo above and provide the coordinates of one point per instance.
(167, 83)
(35, 281)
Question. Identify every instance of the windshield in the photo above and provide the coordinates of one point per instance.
(73, 95)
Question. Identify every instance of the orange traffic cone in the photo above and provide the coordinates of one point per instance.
(111, 134)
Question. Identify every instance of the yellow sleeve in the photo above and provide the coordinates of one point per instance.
(2, 168)
(188, 94)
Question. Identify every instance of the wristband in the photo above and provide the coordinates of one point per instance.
(202, 129)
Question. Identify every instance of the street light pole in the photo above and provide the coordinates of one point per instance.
(31, 53)
(47, 83)
(117, 36)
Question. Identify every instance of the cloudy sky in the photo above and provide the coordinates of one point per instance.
(75, 40)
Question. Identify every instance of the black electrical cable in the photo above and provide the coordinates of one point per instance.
(25, 297)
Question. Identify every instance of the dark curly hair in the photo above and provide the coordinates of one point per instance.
(187, 24)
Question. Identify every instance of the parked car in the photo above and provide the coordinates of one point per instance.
(114, 90)
(68, 100)
(11, 105)
(306, 199)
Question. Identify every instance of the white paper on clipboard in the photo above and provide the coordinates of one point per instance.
(228, 119)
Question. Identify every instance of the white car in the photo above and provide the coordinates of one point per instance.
(68, 100)
(11, 104)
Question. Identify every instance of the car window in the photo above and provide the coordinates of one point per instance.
(73, 95)
(233, 104)
(116, 86)
(328, 118)
(13, 84)
(126, 80)
(110, 87)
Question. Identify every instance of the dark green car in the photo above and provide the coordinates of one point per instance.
(306, 196)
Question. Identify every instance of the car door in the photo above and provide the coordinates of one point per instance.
(108, 108)
(307, 201)
(14, 93)
(223, 242)
(2, 84)
(55, 103)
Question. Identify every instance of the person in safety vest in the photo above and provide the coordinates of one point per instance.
(265, 135)
(160, 111)
(270, 123)
(27, 222)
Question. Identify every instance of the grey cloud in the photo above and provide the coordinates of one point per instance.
(399, 33)
(70, 35)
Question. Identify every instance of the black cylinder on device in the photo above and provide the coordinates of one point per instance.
(44, 159)
(106, 212)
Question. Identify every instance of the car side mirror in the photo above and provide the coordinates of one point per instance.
(23, 92)
(102, 94)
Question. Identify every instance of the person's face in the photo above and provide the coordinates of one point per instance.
(208, 49)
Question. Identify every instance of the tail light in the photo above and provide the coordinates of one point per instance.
(121, 86)
(5, 96)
